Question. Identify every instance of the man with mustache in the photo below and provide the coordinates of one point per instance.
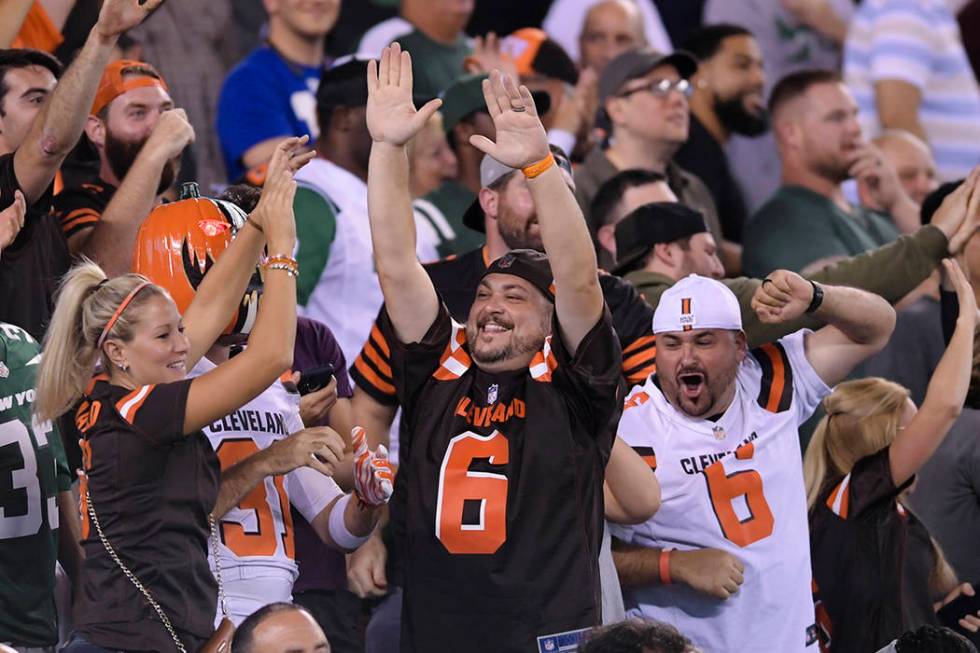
(510, 418)
(727, 99)
(139, 136)
(726, 559)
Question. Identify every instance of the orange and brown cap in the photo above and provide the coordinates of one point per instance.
(125, 75)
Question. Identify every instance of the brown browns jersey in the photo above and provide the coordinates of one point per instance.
(866, 552)
(501, 488)
(79, 208)
(152, 488)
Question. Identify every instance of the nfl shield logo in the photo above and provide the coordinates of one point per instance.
(549, 645)
(492, 394)
(718, 432)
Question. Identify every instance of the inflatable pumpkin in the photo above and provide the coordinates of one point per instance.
(180, 241)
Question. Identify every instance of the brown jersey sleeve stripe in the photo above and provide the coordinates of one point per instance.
(648, 456)
(379, 341)
(129, 405)
(776, 388)
(381, 363)
(79, 219)
(639, 344)
(365, 371)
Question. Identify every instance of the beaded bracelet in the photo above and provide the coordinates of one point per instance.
(290, 270)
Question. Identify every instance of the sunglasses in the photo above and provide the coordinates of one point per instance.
(662, 88)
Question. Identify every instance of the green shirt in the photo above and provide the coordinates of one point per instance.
(797, 227)
(33, 470)
(443, 209)
(316, 228)
(435, 65)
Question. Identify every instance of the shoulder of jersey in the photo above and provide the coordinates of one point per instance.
(775, 377)
(17, 349)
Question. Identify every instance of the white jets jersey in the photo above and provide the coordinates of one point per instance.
(734, 484)
(256, 538)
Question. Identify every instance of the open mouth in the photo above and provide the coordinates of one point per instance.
(492, 328)
(691, 384)
(178, 366)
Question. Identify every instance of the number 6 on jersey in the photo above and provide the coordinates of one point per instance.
(485, 492)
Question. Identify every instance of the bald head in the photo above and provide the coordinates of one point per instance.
(911, 158)
(611, 27)
(280, 628)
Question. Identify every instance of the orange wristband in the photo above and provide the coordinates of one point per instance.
(665, 567)
(537, 168)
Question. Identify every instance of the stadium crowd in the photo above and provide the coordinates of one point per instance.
(611, 326)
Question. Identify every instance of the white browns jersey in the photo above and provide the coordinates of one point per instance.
(734, 484)
(257, 536)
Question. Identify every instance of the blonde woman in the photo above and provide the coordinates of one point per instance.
(152, 477)
(875, 567)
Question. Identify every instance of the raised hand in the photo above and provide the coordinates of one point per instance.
(274, 212)
(117, 16)
(964, 292)
(966, 205)
(391, 114)
(373, 476)
(12, 220)
(521, 139)
(487, 55)
(878, 183)
(783, 296)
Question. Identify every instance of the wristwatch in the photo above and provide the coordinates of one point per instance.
(817, 298)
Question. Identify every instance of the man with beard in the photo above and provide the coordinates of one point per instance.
(808, 223)
(506, 212)
(503, 521)
(726, 559)
(139, 136)
(727, 99)
(643, 101)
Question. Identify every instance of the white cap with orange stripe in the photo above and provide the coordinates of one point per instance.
(697, 302)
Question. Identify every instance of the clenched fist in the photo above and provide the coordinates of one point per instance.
(710, 571)
(783, 296)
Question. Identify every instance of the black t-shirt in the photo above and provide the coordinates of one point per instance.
(32, 266)
(79, 208)
(702, 155)
(503, 475)
(456, 280)
(152, 488)
(867, 556)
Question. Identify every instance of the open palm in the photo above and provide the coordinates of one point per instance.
(521, 139)
(391, 114)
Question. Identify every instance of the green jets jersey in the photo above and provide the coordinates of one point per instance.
(32, 472)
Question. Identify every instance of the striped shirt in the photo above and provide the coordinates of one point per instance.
(918, 42)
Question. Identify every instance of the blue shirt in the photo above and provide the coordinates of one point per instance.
(263, 97)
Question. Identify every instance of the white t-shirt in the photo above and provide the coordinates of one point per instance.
(734, 484)
(256, 538)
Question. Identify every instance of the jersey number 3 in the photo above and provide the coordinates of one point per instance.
(484, 493)
(725, 488)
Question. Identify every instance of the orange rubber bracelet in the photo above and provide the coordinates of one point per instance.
(536, 169)
(665, 567)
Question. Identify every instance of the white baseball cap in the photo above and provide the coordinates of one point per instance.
(697, 302)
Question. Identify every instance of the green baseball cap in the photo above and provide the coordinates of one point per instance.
(464, 97)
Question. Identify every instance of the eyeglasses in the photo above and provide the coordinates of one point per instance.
(662, 88)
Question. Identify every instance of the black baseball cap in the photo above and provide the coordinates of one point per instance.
(492, 171)
(344, 84)
(528, 264)
(650, 224)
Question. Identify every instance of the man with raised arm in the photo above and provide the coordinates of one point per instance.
(726, 559)
(510, 417)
